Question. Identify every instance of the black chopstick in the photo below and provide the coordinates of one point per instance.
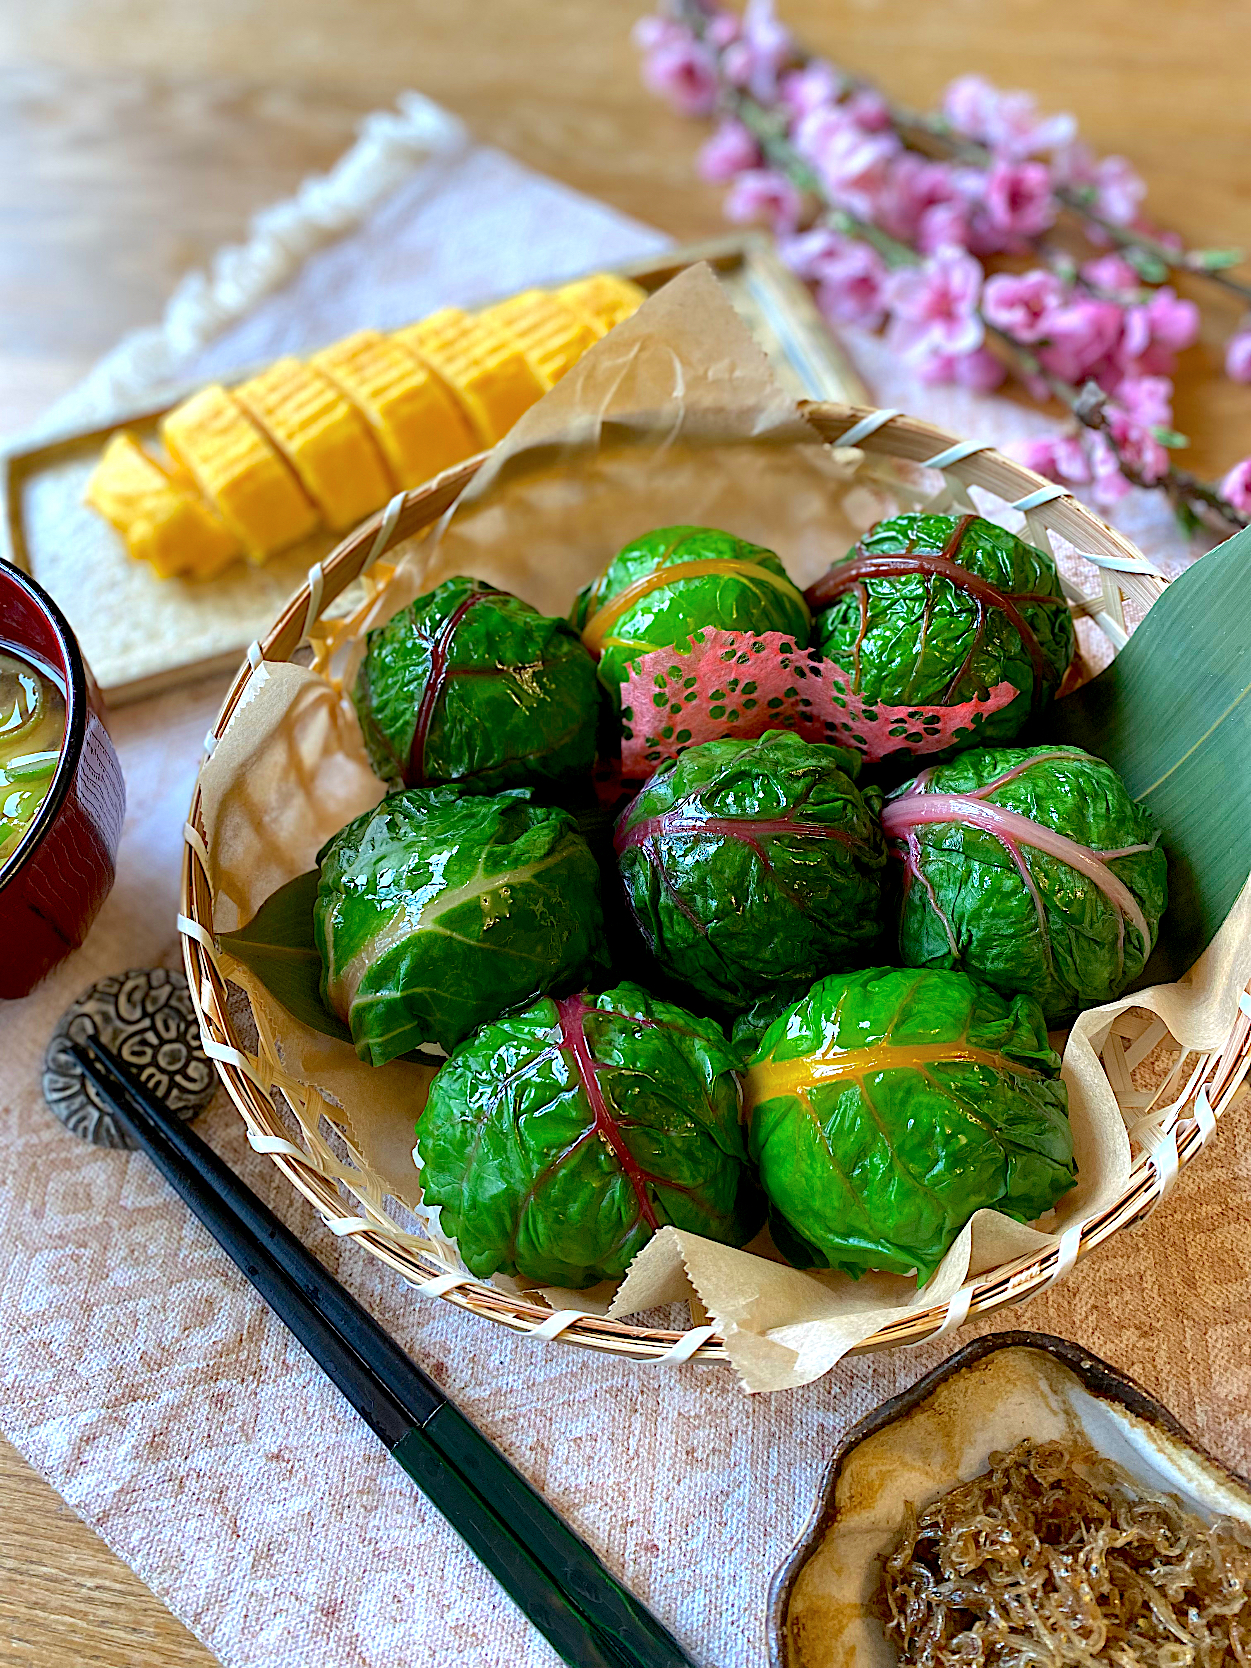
(548, 1570)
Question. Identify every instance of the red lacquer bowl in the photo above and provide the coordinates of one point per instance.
(52, 886)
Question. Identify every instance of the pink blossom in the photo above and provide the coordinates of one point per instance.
(1137, 446)
(764, 194)
(652, 32)
(1238, 357)
(816, 130)
(1114, 189)
(729, 151)
(809, 88)
(914, 185)
(850, 276)
(945, 224)
(854, 166)
(808, 253)
(1080, 336)
(969, 104)
(1008, 122)
(756, 58)
(681, 70)
(1158, 330)
(1057, 457)
(934, 306)
(1108, 485)
(1114, 274)
(1147, 400)
(869, 110)
(723, 28)
(852, 286)
(1022, 304)
(1236, 487)
(1118, 190)
(1019, 202)
(980, 371)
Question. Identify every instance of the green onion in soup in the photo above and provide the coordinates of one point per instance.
(32, 729)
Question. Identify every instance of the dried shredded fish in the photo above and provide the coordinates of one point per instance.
(1057, 1558)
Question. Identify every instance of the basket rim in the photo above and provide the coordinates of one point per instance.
(1212, 1083)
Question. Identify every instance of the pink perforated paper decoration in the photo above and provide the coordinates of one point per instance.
(733, 683)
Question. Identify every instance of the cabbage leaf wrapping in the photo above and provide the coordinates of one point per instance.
(890, 1104)
(663, 587)
(557, 1141)
(752, 866)
(931, 612)
(471, 685)
(437, 910)
(1032, 869)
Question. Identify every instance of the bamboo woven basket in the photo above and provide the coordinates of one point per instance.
(1174, 1121)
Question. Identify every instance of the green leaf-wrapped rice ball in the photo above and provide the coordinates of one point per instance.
(1032, 869)
(557, 1141)
(930, 613)
(438, 910)
(668, 584)
(471, 685)
(889, 1105)
(752, 866)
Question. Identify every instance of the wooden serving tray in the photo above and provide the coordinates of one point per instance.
(141, 634)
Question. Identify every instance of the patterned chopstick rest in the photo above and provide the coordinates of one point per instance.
(146, 1017)
(163, 522)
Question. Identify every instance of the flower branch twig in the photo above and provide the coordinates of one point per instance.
(894, 236)
(1087, 403)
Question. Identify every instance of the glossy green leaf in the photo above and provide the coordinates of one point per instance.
(718, 581)
(1172, 715)
(438, 910)
(1031, 869)
(471, 685)
(752, 866)
(925, 637)
(889, 1105)
(556, 1141)
(278, 946)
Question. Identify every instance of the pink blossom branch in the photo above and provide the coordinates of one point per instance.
(1158, 258)
(1087, 403)
(936, 135)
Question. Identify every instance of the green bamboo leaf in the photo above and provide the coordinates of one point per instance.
(277, 945)
(1173, 715)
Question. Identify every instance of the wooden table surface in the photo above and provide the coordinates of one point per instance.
(137, 135)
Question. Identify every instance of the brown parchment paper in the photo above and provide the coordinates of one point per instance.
(674, 417)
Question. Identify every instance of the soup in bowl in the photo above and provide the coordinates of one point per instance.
(32, 730)
(62, 798)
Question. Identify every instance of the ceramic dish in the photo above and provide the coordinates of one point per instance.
(985, 1398)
